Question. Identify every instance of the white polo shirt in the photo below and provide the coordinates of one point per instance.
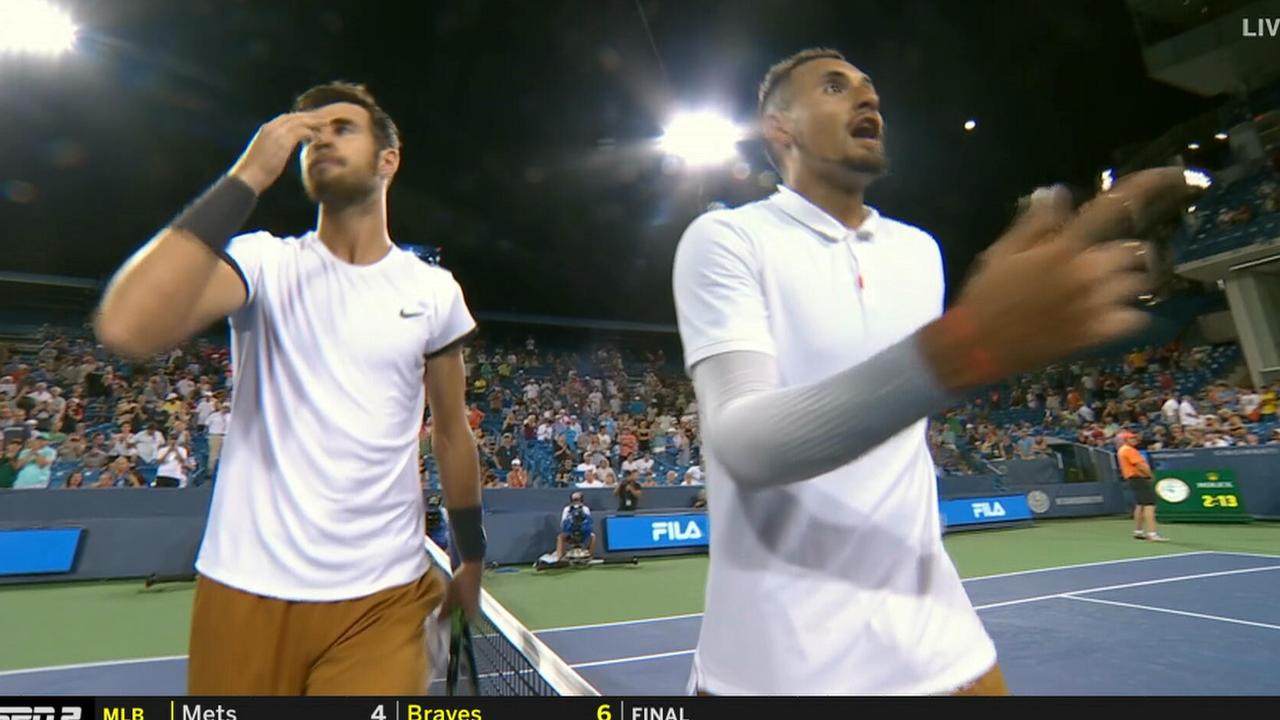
(318, 496)
(837, 585)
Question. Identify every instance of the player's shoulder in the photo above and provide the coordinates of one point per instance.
(903, 229)
(425, 274)
(722, 233)
(739, 221)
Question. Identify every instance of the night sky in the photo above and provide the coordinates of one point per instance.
(528, 127)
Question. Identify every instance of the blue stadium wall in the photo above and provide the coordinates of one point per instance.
(129, 533)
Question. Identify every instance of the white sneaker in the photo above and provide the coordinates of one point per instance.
(1157, 537)
(1139, 535)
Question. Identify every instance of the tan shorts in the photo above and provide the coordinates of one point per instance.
(246, 644)
(990, 684)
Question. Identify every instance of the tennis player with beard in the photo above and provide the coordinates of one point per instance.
(814, 331)
(312, 576)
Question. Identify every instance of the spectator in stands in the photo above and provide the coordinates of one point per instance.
(147, 443)
(694, 475)
(1188, 415)
(35, 464)
(174, 462)
(205, 408)
(9, 462)
(517, 477)
(1275, 437)
(1169, 410)
(122, 443)
(97, 456)
(1040, 448)
(589, 478)
(75, 480)
(106, 479)
(72, 449)
(18, 427)
(505, 453)
(644, 465)
(671, 479)
(218, 423)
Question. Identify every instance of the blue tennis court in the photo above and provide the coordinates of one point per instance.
(1201, 623)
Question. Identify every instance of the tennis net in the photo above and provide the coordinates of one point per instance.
(503, 657)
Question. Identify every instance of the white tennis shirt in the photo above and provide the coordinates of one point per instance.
(840, 584)
(318, 496)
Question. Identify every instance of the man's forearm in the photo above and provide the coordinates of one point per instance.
(459, 462)
(766, 435)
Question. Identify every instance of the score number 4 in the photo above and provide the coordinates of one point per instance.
(1224, 501)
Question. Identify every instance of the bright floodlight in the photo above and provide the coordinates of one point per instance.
(1197, 179)
(1221, 136)
(970, 125)
(1193, 146)
(701, 138)
(1108, 180)
(35, 26)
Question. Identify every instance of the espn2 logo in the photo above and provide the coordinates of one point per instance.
(39, 712)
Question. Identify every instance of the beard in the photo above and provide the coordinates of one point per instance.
(342, 187)
(868, 162)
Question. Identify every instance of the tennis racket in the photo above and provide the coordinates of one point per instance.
(462, 676)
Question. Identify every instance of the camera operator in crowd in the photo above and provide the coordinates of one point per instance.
(628, 492)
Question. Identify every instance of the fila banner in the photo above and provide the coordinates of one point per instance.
(656, 532)
(982, 510)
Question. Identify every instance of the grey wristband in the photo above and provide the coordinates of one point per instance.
(219, 213)
(468, 532)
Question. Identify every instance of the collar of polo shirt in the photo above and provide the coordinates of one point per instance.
(817, 219)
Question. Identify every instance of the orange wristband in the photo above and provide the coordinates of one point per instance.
(960, 327)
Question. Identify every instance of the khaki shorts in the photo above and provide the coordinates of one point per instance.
(246, 644)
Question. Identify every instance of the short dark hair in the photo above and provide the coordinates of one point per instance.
(775, 91)
(384, 128)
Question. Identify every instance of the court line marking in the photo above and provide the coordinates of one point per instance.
(1090, 564)
(633, 658)
(102, 663)
(1244, 554)
(109, 663)
(664, 618)
(620, 623)
(1144, 583)
(1171, 611)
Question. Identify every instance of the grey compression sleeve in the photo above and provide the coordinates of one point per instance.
(765, 435)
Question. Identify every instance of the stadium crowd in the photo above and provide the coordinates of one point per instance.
(75, 417)
(1170, 396)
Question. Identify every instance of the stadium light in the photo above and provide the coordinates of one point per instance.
(701, 138)
(1108, 179)
(1193, 146)
(35, 26)
(1221, 136)
(970, 125)
(1197, 179)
